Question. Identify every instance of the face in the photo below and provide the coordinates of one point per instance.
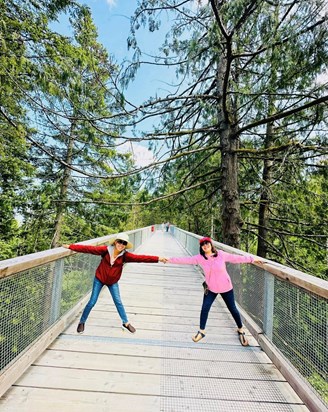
(206, 246)
(120, 244)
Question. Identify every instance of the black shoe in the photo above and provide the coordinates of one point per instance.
(80, 328)
(129, 328)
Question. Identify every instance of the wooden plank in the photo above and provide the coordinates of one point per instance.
(193, 352)
(155, 385)
(310, 283)
(176, 324)
(11, 266)
(35, 399)
(59, 400)
(91, 380)
(147, 364)
(145, 335)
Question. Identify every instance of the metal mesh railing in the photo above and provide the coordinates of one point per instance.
(291, 317)
(300, 331)
(32, 300)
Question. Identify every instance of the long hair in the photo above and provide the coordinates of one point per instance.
(214, 251)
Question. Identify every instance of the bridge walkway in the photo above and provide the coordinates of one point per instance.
(158, 368)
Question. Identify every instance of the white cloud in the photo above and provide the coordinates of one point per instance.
(322, 78)
(141, 155)
(198, 3)
(111, 3)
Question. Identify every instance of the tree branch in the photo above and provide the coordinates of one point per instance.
(284, 114)
(102, 202)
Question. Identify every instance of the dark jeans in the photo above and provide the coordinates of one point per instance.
(229, 300)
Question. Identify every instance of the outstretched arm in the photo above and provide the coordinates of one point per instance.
(232, 258)
(189, 260)
(94, 250)
(258, 261)
(136, 258)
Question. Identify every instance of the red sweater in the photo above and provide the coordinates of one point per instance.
(107, 273)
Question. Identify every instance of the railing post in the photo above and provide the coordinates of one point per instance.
(268, 304)
(56, 290)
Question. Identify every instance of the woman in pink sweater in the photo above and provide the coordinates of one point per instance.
(213, 263)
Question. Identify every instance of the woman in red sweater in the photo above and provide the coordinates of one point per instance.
(109, 272)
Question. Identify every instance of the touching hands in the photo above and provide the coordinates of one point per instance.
(162, 259)
(259, 261)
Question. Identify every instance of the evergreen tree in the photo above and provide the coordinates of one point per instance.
(242, 95)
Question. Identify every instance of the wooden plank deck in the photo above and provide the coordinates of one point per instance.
(158, 368)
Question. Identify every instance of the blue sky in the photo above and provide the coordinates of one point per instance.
(112, 19)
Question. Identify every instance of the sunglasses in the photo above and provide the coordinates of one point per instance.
(121, 242)
(205, 243)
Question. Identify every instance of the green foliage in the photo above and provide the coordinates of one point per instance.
(23, 324)
(76, 284)
(320, 384)
(258, 60)
(61, 86)
(294, 321)
(297, 221)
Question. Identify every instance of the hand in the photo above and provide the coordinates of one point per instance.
(162, 259)
(65, 246)
(259, 261)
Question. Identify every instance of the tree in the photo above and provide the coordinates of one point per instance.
(57, 91)
(21, 24)
(239, 66)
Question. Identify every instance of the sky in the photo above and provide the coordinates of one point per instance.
(112, 19)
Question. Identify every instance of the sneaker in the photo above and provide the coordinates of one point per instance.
(80, 328)
(129, 328)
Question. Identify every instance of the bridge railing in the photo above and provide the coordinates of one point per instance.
(40, 294)
(286, 311)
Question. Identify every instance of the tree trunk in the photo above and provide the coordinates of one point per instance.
(265, 199)
(230, 215)
(61, 206)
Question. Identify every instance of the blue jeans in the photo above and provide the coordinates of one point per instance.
(114, 291)
(229, 300)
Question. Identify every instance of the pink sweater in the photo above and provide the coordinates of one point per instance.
(216, 275)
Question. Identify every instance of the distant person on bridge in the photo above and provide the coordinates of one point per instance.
(109, 273)
(213, 263)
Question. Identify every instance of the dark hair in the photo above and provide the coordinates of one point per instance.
(214, 251)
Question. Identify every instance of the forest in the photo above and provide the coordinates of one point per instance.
(239, 138)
